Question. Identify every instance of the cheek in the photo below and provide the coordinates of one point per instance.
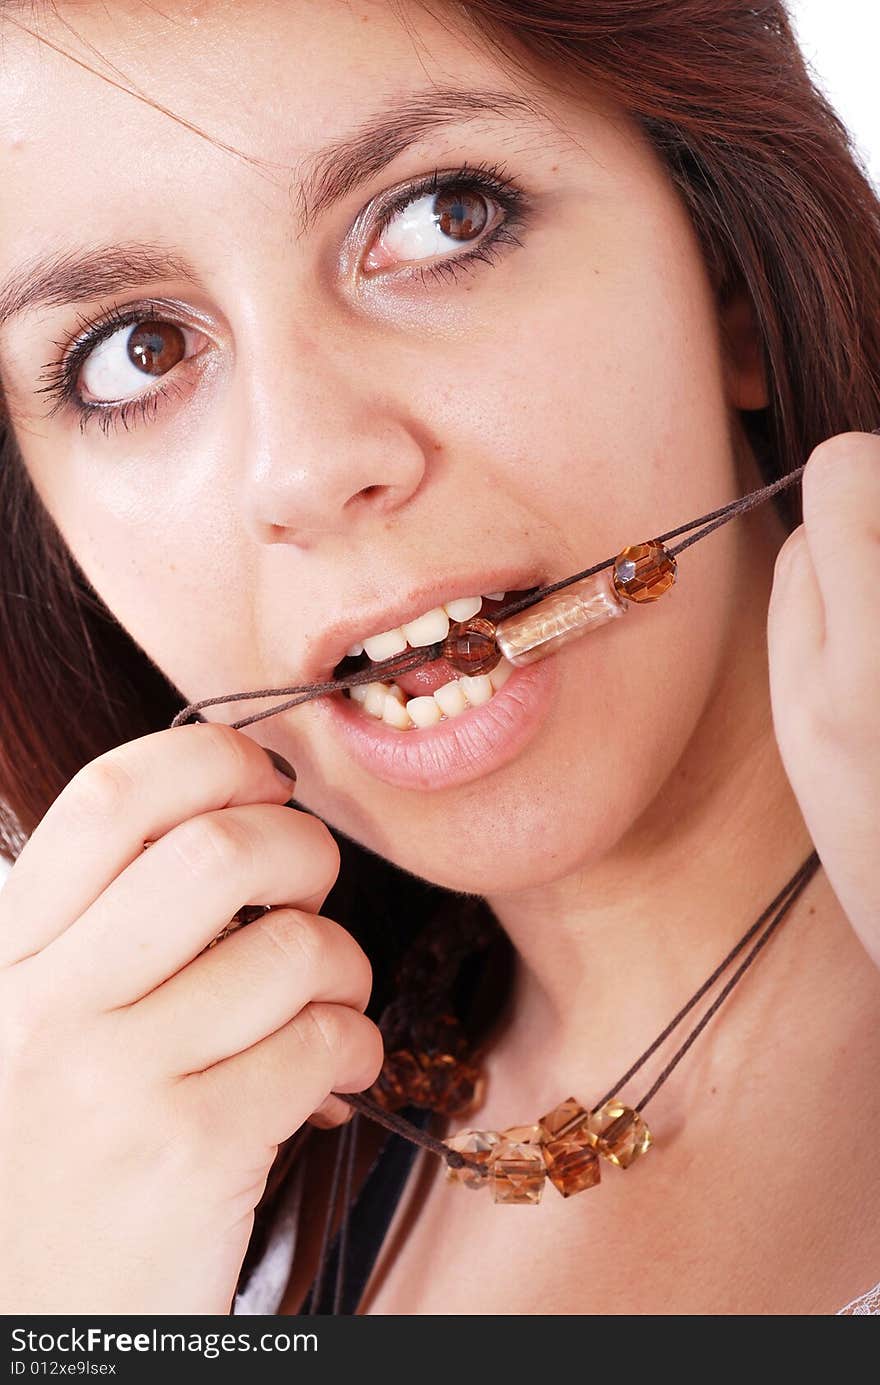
(185, 603)
(604, 384)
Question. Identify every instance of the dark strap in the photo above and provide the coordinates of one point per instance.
(369, 1219)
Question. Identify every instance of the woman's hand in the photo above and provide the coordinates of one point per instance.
(823, 632)
(146, 1083)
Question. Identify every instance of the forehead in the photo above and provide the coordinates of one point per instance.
(266, 82)
(224, 127)
(193, 108)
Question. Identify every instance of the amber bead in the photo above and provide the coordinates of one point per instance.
(569, 1154)
(644, 571)
(470, 646)
(572, 1163)
(564, 1118)
(619, 1133)
(450, 1086)
(477, 1145)
(440, 1082)
(401, 1081)
(524, 1134)
(517, 1172)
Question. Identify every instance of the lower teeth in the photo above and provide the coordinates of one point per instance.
(387, 702)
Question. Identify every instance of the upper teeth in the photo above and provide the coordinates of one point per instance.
(424, 630)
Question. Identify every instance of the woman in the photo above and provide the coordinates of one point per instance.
(380, 307)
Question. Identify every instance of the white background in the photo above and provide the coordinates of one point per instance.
(840, 40)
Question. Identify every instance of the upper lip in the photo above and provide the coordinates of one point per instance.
(328, 648)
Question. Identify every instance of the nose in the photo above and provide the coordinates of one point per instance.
(327, 446)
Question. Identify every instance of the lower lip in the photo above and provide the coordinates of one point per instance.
(455, 751)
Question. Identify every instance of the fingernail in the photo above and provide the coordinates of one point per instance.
(285, 770)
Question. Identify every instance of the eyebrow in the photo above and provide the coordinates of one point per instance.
(59, 278)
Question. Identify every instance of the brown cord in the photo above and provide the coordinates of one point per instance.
(413, 658)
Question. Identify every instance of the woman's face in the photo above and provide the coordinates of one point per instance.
(333, 425)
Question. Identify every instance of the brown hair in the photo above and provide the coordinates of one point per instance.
(782, 206)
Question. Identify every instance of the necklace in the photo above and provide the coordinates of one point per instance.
(568, 1145)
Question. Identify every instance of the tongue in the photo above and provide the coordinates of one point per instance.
(422, 681)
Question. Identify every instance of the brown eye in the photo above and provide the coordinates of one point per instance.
(115, 369)
(431, 225)
(156, 347)
(461, 215)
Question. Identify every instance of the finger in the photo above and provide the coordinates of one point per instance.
(332, 1112)
(167, 906)
(841, 508)
(251, 984)
(795, 620)
(274, 1087)
(98, 824)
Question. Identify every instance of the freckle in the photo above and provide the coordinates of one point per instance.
(438, 446)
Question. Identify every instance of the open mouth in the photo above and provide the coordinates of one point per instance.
(435, 691)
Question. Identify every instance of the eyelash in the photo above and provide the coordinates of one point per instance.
(488, 180)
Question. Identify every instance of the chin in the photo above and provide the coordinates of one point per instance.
(526, 842)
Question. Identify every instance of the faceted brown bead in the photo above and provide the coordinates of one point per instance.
(644, 571)
(517, 1172)
(572, 1162)
(524, 1134)
(449, 1085)
(477, 1145)
(619, 1133)
(401, 1081)
(563, 1119)
(470, 646)
(440, 1081)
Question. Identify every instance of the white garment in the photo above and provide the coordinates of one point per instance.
(865, 1303)
(270, 1275)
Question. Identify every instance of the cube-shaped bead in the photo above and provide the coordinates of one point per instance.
(523, 1134)
(569, 1154)
(619, 1133)
(563, 1119)
(517, 1172)
(477, 1145)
